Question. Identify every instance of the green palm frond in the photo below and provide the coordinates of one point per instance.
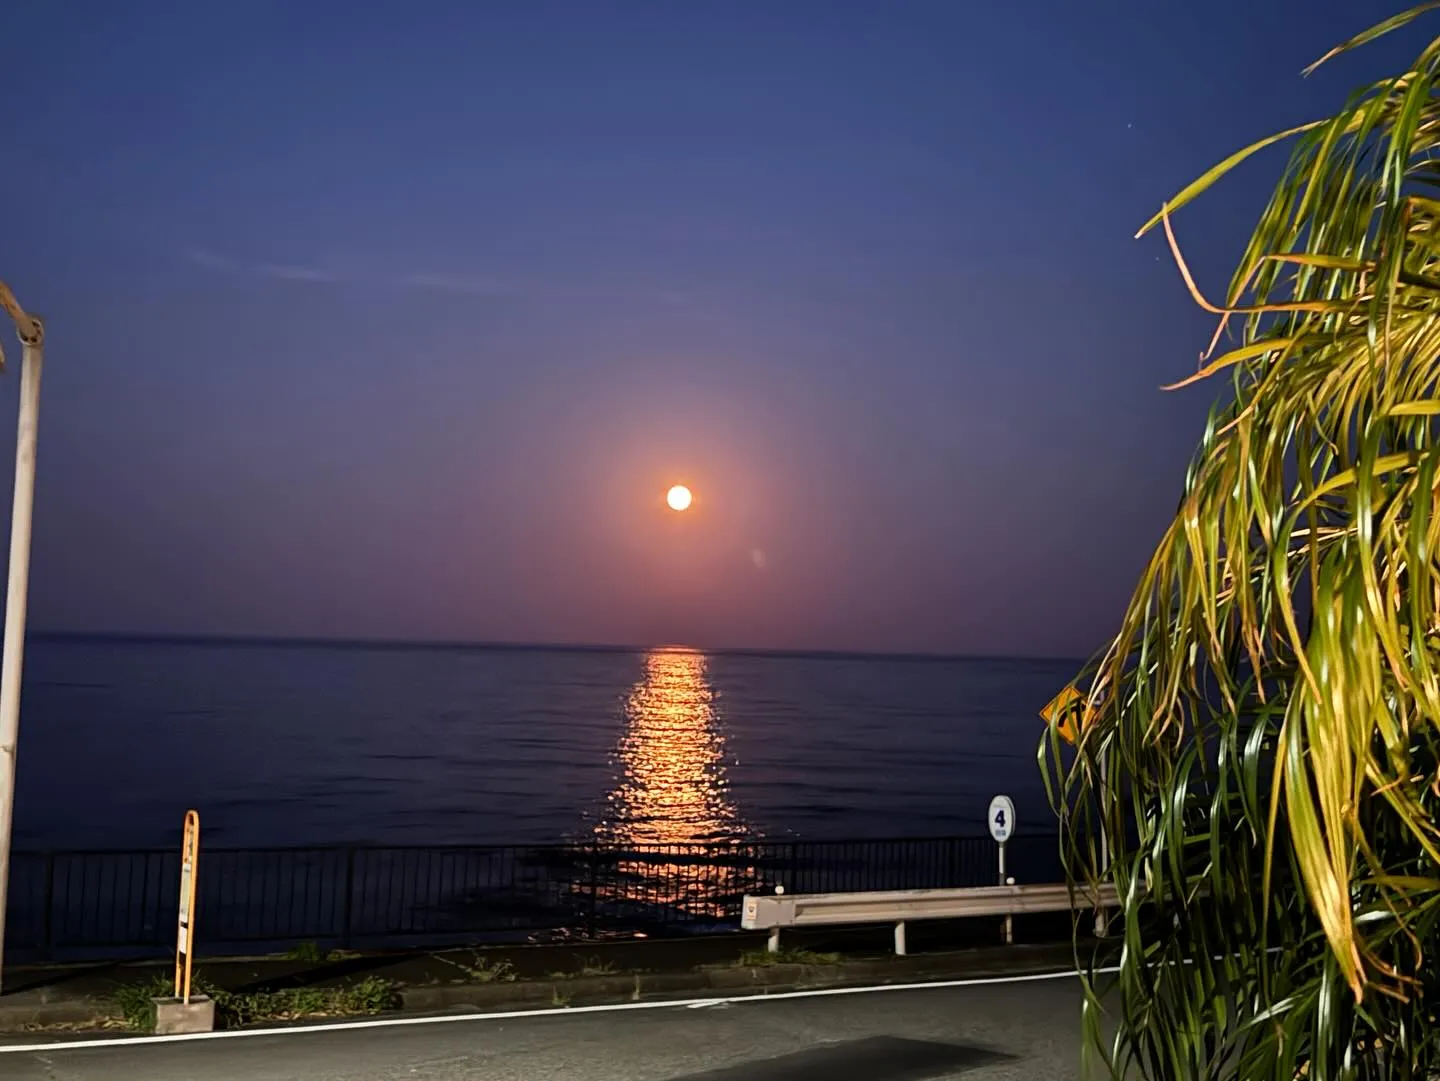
(1262, 752)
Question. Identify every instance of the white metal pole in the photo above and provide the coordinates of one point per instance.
(15, 598)
(1009, 925)
(1101, 922)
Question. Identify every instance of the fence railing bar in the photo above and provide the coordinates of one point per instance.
(369, 893)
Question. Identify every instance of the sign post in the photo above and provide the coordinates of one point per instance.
(32, 340)
(1001, 820)
(185, 933)
(1070, 713)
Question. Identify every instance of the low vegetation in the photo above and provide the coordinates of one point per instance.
(372, 995)
(368, 996)
(136, 1002)
(315, 954)
(480, 970)
(761, 958)
(234, 1009)
(592, 967)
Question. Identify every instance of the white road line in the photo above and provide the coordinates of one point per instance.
(560, 1011)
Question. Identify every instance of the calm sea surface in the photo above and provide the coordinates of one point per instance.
(287, 744)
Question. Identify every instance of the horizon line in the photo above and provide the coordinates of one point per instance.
(461, 645)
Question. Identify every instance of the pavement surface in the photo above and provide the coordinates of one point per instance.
(1001, 1031)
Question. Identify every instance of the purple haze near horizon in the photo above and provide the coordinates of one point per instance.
(397, 320)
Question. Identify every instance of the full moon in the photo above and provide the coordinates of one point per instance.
(678, 497)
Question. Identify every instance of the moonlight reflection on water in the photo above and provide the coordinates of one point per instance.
(671, 790)
(671, 787)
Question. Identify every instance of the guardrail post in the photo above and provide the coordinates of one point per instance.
(900, 939)
(773, 943)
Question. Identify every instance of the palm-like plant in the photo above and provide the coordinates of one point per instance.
(1256, 767)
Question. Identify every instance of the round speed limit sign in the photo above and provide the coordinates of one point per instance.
(1001, 818)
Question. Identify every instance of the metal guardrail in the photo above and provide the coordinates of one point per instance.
(899, 906)
(110, 904)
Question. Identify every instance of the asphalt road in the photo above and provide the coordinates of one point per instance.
(996, 1032)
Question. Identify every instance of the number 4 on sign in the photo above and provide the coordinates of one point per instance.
(1001, 819)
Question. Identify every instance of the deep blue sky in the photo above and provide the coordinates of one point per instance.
(396, 320)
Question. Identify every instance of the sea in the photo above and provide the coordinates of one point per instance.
(288, 743)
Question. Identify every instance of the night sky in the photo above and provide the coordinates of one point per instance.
(397, 320)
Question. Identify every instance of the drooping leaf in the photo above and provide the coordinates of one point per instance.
(1260, 778)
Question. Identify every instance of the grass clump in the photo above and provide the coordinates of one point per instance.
(136, 1001)
(760, 958)
(309, 952)
(313, 953)
(481, 970)
(368, 996)
(235, 1009)
(593, 966)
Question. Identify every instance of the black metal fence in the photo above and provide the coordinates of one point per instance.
(91, 905)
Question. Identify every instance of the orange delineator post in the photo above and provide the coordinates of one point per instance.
(185, 933)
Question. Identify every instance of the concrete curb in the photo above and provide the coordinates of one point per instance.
(80, 1013)
(54, 1009)
(731, 980)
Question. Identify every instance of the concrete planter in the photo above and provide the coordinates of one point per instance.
(174, 1017)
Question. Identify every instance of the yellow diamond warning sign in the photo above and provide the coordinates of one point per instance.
(1068, 713)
